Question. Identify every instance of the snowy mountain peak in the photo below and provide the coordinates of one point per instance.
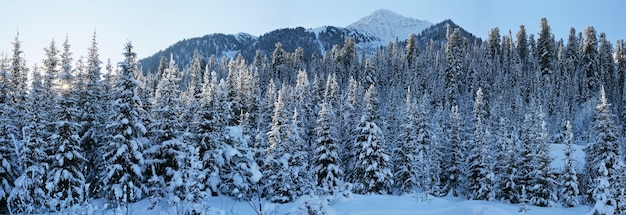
(388, 25)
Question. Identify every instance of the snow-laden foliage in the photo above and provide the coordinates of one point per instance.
(480, 173)
(605, 163)
(372, 172)
(568, 189)
(327, 165)
(123, 178)
(65, 180)
(405, 159)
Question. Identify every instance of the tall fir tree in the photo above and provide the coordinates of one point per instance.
(372, 171)
(589, 64)
(455, 171)
(123, 158)
(19, 75)
(568, 192)
(279, 184)
(507, 163)
(30, 196)
(455, 52)
(163, 156)
(604, 161)
(480, 173)
(327, 165)
(543, 181)
(406, 166)
(65, 181)
(8, 168)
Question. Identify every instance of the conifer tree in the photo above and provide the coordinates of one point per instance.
(372, 172)
(480, 173)
(8, 168)
(123, 158)
(405, 160)
(195, 68)
(299, 165)
(455, 172)
(507, 163)
(606, 67)
(93, 102)
(29, 196)
(425, 148)
(327, 165)
(51, 67)
(19, 72)
(209, 122)
(349, 116)
(455, 52)
(604, 162)
(65, 182)
(279, 184)
(589, 64)
(164, 155)
(546, 54)
(543, 182)
(304, 104)
(241, 174)
(568, 192)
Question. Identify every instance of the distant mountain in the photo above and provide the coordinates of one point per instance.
(370, 33)
(387, 25)
(437, 33)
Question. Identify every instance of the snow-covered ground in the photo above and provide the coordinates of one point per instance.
(557, 152)
(357, 205)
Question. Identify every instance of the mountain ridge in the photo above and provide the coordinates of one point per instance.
(366, 31)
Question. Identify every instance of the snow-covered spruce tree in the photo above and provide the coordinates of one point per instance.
(589, 64)
(606, 69)
(542, 186)
(19, 73)
(209, 122)
(8, 168)
(528, 162)
(166, 134)
(620, 60)
(327, 165)
(507, 171)
(372, 171)
(186, 184)
(279, 186)
(604, 161)
(240, 174)
(304, 104)
(299, 165)
(568, 192)
(455, 53)
(424, 149)
(480, 173)
(195, 68)
(93, 102)
(51, 67)
(349, 116)
(29, 195)
(65, 182)
(547, 56)
(406, 166)
(123, 158)
(437, 155)
(456, 179)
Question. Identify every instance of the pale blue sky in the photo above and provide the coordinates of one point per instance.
(154, 25)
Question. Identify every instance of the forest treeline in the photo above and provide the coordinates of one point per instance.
(465, 118)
